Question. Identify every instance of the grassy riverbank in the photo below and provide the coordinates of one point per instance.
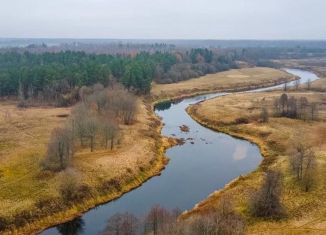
(305, 210)
(138, 155)
(233, 80)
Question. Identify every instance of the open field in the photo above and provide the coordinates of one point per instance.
(23, 142)
(236, 79)
(306, 211)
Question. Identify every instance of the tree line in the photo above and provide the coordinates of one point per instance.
(161, 221)
(298, 108)
(51, 76)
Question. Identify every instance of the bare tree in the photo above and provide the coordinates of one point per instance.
(110, 131)
(284, 103)
(277, 107)
(297, 84)
(264, 115)
(308, 84)
(79, 114)
(100, 99)
(98, 87)
(155, 219)
(285, 88)
(303, 105)
(314, 111)
(292, 107)
(60, 149)
(266, 201)
(91, 128)
(84, 92)
(122, 224)
(303, 164)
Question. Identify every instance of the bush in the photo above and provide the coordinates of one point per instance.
(71, 191)
(242, 120)
(49, 205)
(112, 184)
(22, 104)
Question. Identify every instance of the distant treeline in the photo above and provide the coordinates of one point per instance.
(47, 76)
(52, 76)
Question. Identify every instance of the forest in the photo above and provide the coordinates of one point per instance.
(55, 75)
(59, 76)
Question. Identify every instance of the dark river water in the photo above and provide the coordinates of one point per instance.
(206, 162)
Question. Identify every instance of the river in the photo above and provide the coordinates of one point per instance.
(206, 162)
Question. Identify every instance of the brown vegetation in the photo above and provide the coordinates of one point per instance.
(301, 163)
(236, 79)
(30, 193)
(160, 221)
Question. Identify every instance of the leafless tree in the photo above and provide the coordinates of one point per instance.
(308, 84)
(264, 115)
(122, 224)
(79, 115)
(84, 91)
(92, 125)
(303, 105)
(303, 164)
(100, 99)
(292, 107)
(98, 87)
(277, 107)
(297, 84)
(156, 219)
(60, 149)
(110, 131)
(285, 88)
(314, 111)
(266, 201)
(284, 103)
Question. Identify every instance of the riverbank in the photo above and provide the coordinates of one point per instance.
(25, 186)
(230, 81)
(305, 211)
(139, 156)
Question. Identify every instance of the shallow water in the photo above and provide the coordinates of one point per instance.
(206, 162)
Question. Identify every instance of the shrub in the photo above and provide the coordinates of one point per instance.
(241, 120)
(112, 184)
(71, 191)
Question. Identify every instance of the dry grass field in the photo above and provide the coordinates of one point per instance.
(236, 79)
(306, 211)
(23, 141)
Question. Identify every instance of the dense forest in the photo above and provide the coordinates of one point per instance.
(49, 76)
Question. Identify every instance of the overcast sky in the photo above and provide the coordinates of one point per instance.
(166, 19)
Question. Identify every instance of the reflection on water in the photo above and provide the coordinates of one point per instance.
(163, 105)
(73, 227)
(240, 152)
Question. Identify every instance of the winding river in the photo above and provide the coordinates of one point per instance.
(207, 161)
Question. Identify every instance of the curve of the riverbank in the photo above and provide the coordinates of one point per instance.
(155, 170)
